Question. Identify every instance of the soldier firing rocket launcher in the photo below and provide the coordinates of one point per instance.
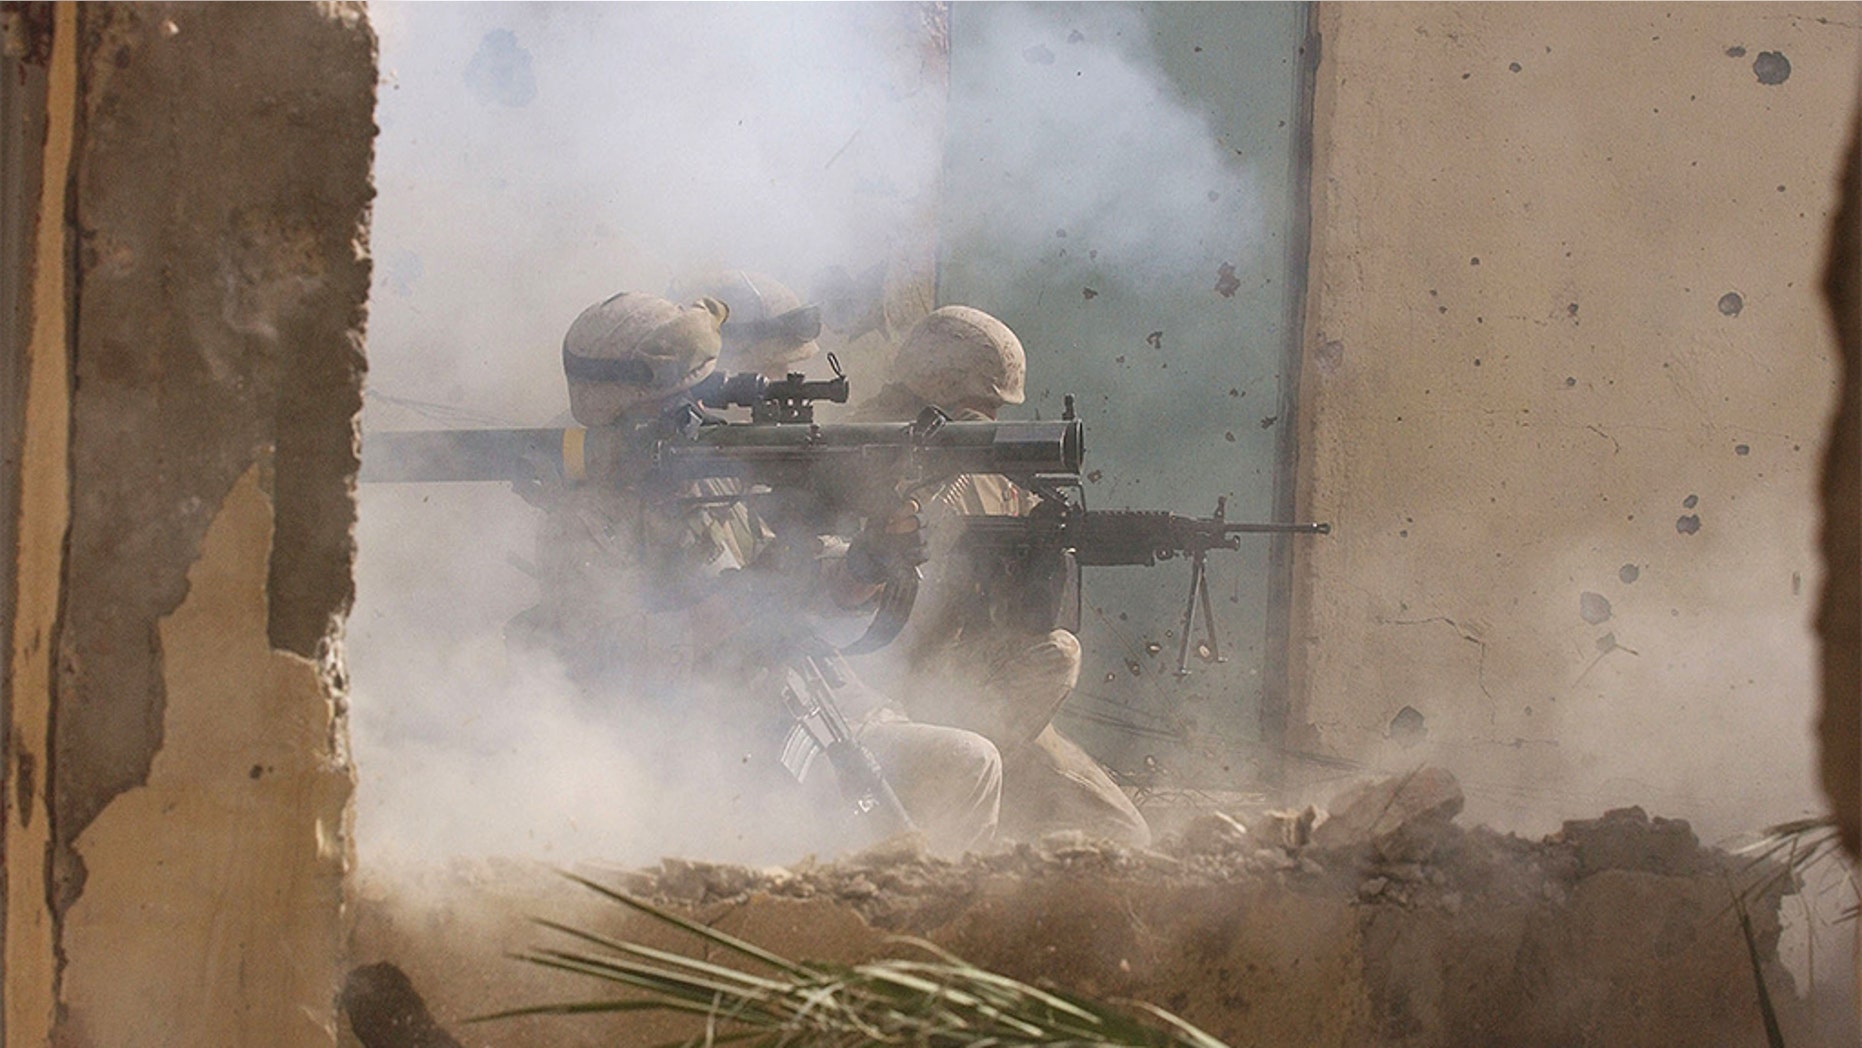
(782, 446)
(819, 474)
(804, 474)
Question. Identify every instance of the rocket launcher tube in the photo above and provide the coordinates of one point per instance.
(778, 455)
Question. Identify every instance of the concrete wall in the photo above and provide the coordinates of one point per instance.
(1564, 389)
(177, 776)
(1839, 615)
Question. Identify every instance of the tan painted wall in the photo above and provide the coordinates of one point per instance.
(177, 772)
(1524, 381)
(43, 515)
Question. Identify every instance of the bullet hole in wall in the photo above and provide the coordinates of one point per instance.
(1771, 68)
(1226, 282)
(1408, 727)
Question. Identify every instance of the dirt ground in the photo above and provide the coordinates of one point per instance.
(1386, 924)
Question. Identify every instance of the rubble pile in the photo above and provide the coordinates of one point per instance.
(1388, 843)
(1380, 921)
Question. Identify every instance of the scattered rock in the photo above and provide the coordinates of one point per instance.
(1290, 828)
(1396, 819)
(385, 1011)
(1214, 834)
(1627, 839)
(903, 848)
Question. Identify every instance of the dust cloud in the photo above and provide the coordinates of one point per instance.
(535, 158)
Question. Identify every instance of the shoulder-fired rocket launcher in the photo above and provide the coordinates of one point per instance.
(782, 447)
(812, 477)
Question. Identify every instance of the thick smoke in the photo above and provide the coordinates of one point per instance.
(1095, 153)
(536, 158)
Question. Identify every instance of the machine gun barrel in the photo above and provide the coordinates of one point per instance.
(1144, 537)
(1109, 538)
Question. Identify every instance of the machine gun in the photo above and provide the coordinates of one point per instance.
(1045, 549)
(814, 476)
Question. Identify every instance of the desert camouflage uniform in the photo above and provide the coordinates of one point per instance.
(692, 613)
(967, 666)
(630, 607)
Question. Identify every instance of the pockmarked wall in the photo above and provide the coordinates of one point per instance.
(177, 779)
(1565, 381)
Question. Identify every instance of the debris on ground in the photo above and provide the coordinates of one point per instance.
(1380, 921)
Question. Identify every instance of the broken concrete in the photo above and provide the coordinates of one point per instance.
(177, 772)
(1618, 930)
(1398, 819)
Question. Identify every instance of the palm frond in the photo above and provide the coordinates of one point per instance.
(1784, 853)
(1774, 1034)
(942, 1002)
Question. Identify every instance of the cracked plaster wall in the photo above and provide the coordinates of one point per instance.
(196, 365)
(1567, 374)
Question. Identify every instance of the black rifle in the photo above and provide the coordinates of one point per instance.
(820, 728)
(1042, 552)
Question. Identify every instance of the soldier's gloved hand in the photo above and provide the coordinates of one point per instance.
(886, 548)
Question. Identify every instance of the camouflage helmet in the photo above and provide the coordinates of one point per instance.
(957, 355)
(632, 348)
(770, 327)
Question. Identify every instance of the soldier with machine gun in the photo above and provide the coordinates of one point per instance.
(968, 659)
(996, 649)
(681, 549)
